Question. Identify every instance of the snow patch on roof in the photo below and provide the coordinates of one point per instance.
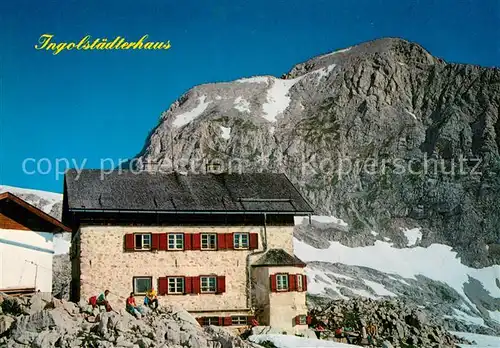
(277, 97)
(242, 105)
(414, 235)
(226, 131)
(185, 118)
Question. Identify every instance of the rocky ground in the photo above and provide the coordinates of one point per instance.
(42, 321)
(61, 276)
(398, 324)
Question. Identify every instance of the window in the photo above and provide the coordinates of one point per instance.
(239, 320)
(176, 241)
(142, 285)
(208, 241)
(208, 284)
(282, 282)
(211, 321)
(302, 320)
(300, 286)
(240, 241)
(142, 241)
(175, 285)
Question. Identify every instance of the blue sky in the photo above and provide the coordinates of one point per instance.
(102, 104)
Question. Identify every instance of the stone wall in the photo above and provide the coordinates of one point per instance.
(278, 309)
(105, 265)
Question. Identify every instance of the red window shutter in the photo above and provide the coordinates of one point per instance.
(254, 240)
(195, 285)
(200, 320)
(162, 286)
(297, 320)
(162, 244)
(308, 320)
(229, 241)
(196, 241)
(228, 321)
(129, 242)
(221, 284)
(188, 245)
(304, 282)
(249, 319)
(272, 278)
(221, 241)
(292, 282)
(221, 321)
(188, 285)
(155, 241)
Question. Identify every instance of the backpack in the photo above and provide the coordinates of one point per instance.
(93, 301)
(338, 331)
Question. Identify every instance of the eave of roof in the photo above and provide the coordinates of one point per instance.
(209, 212)
(41, 214)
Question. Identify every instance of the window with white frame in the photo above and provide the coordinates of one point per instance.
(208, 284)
(300, 285)
(208, 241)
(211, 321)
(175, 285)
(142, 241)
(142, 285)
(175, 241)
(239, 320)
(240, 241)
(282, 282)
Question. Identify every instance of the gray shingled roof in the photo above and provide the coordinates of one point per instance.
(278, 257)
(174, 192)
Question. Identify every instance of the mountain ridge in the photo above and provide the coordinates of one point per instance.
(386, 99)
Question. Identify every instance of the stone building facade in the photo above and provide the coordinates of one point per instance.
(223, 266)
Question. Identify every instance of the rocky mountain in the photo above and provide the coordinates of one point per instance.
(396, 147)
(397, 150)
(382, 135)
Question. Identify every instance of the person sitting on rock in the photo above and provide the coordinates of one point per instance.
(151, 300)
(318, 330)
(102, 300)
(372, 332)
(131, 306)
(339, 334)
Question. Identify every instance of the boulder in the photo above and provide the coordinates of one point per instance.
(5, 323)
(387, 344)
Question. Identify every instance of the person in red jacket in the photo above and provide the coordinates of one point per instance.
(318, 330)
